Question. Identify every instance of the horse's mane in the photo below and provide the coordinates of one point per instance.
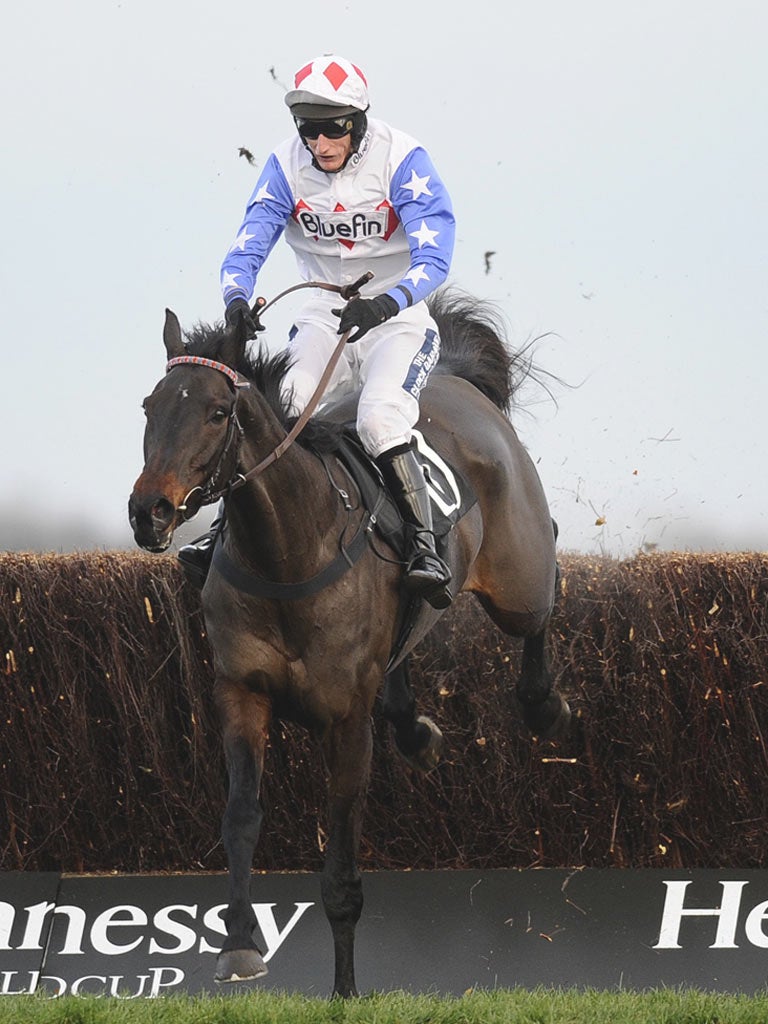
(473, 345)
(266, 372)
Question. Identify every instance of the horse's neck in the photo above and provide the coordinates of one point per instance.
(282, 521)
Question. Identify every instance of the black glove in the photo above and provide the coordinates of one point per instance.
(239, 312)
(365, 314)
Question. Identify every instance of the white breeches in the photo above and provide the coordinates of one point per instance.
(391, 365)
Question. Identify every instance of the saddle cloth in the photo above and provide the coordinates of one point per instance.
(451, 496)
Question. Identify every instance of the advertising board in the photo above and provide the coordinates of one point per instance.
(423, 931)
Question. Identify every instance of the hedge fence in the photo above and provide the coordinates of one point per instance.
(110, 756)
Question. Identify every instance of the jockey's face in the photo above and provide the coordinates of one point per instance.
(330, 154)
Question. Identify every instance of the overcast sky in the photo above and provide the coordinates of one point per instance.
(613, 156)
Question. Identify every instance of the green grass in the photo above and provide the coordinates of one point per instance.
(540, 1006)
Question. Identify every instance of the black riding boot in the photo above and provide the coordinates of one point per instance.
(427, 574)
(196, 556)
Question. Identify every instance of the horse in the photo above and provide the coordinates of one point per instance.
(314, 644)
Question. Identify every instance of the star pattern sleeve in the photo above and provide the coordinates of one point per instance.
(421, 201)
(266, 215)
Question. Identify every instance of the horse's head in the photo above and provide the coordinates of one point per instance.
(191, 437)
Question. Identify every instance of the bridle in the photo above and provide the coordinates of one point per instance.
(211, 490)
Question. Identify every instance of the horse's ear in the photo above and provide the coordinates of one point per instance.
(232, 347)
(174, 345)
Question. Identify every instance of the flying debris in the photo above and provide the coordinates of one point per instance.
(487, 258)
(242, 151)
(273, 76)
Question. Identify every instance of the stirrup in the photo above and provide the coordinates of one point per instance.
(196, 557)
(195, 562)
(431, 581)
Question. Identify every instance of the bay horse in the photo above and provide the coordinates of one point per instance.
(319, 654)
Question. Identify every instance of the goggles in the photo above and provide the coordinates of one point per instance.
(331, 128)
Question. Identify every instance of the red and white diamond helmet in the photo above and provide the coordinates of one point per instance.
(328, 86)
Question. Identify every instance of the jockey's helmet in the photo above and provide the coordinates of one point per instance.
(330, 95)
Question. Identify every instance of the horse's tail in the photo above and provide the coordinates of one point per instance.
(473, 345)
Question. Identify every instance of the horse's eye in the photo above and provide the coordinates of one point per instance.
(219, 415)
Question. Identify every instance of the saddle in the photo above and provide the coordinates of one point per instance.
(451, 498)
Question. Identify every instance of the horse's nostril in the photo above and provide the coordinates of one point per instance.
(162, 512)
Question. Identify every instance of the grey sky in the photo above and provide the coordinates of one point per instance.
(614, 156)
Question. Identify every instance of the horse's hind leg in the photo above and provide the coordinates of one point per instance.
(245, 719)
(558, 574)
(417, 737)
(545, 712)
(347, 750)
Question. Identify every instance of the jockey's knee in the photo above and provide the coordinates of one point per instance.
(298, 388)
(383, 427)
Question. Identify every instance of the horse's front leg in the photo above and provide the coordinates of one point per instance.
(417, 737)
(245, 720)
(347, 750)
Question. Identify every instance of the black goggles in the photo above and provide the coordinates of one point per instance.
(332, 128)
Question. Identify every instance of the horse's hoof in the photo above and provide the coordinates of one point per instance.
(344, 993)
(428, 757)
(239, 965)
(550, 719)
(561, 724)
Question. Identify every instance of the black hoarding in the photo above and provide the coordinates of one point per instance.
(26, 905)
(423, 931)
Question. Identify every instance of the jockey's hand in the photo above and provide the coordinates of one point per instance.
(365, 314)
(239, 312)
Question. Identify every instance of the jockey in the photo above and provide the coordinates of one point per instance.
(352, 194)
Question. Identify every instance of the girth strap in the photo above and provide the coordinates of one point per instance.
(248, 583)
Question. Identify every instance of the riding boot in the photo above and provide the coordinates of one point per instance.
(427, 575)
(196, 556)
